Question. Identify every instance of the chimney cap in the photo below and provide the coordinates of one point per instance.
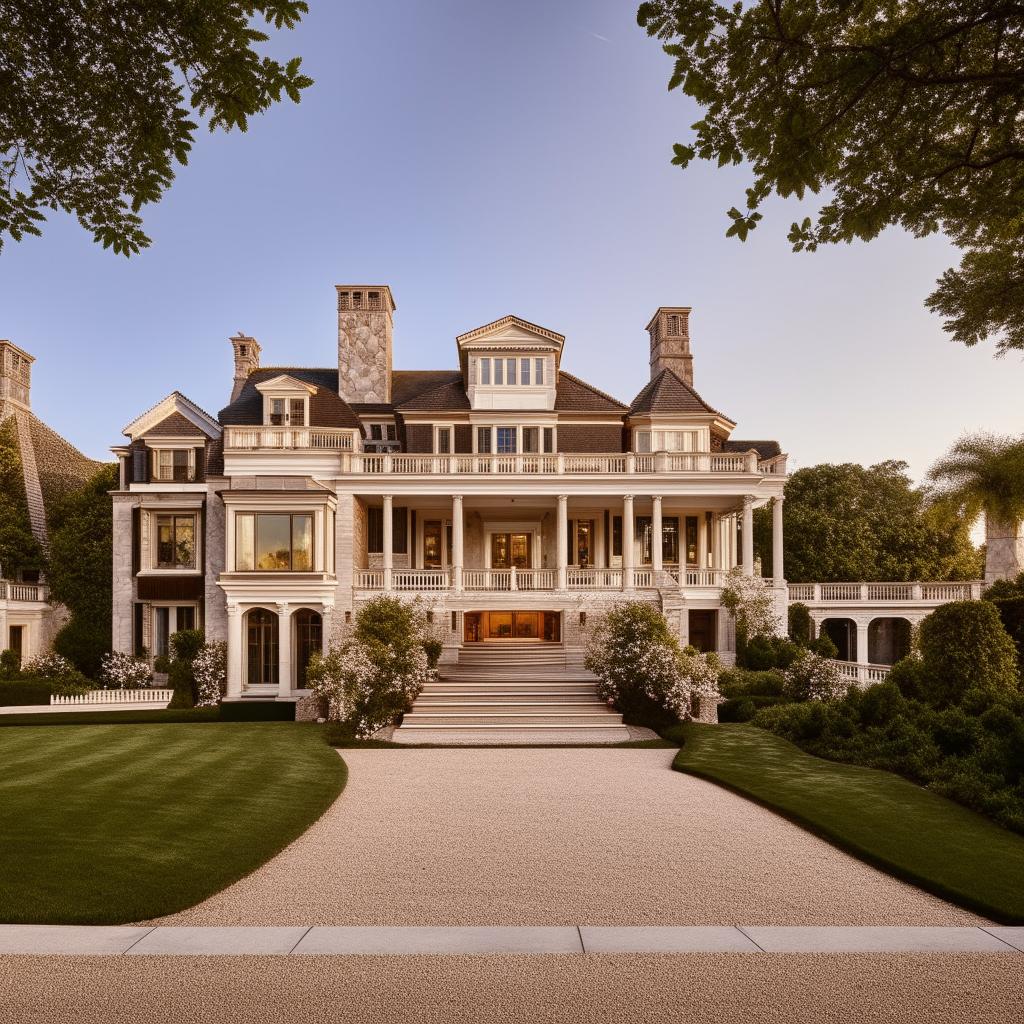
(685, 310)
(368, 288)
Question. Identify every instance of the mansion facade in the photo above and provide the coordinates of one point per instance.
(514, 499)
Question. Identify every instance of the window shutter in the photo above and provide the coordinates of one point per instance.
(139, 467)
(136, 538)
(137, 629)
(570, 529)
(200, 465)
(399, 531)
(374, 530)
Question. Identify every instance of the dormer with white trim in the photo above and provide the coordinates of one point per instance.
(510, 364)
(285, 401)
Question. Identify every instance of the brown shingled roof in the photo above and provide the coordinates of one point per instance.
(667, 393)
(326, 407)
(448, 397)
(575, 395)
(764, 449)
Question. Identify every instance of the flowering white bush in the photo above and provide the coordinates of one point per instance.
(375, 674)
(750, 601)
(812, 677)
(209, 669)
(639, 664)
(49, 666)
(122, 671)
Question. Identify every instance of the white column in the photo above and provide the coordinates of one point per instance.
(562, 528)
(778, 568)
(326, 623)
(457, 542)
(862, 644)
(628, 536)
(748, 535)
(716, 541)
(702, 540)
(284, 650)
(234, 668)
(656, 552)
(389, 556)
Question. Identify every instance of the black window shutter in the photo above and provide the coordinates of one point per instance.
(200, 464)
(374, 530)
(400, 531)
(136, 540)
(139, 465)
(137, 629)
(568, 541)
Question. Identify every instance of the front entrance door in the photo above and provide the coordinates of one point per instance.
(17, 641)
(308, 641)
(511, 549)
(703, 629)
(512, 625)
(584, 542)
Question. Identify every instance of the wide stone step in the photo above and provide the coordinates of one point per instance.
(449, 699)
(597, 719)
(496, 687)
(519, 673)
(508, 706)
(551, 735)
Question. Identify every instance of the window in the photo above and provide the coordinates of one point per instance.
(673, 324)
(691, 539)
(530, 440)
(549, 440)
(483, 440)
(669, 539)
(297, 412)
(506, 440)
(524, 372)
(617, 535)
(277, 412)
(273, 542)
(667, 440)
(383, 432)
(375, 530)
(499, 371)
(176, 542)
(643, 441)
(485, 371)
(444, 440)
(538, 371)
(168, 620)
(510, 371)
(173, 464)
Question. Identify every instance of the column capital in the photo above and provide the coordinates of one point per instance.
(456, 497)
(563, 497)
(627, 497)
(282, 607)
(655, 497)
(779, 499)
(386, 497)
(748, 500)
(233, 608)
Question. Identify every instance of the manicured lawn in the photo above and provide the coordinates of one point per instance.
(103, 824)
(875, 815)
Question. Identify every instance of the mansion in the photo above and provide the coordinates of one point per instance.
(513, 498)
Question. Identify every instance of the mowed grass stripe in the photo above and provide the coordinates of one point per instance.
(110, 824)
(875, 815)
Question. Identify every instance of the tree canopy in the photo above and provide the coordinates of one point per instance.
(982, 474)
(903, 114)
(97, 100)
(851, 523)
(18, 547)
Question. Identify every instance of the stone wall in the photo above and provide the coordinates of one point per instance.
(215, 610)
(123, 580)
(364, 355)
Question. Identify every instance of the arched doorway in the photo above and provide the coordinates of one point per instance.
(261, 637)
(888, 640)
(843, 633)
(307, 628)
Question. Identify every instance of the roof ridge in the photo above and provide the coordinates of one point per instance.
(656, 381)
(590, 387)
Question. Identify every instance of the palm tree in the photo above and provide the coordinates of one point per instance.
(984, 475)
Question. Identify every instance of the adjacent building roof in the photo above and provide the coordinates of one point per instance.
(667, 393)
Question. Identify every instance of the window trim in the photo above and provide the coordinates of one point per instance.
(286, 397)
(444, 428)
(155, 518)
(292, 514)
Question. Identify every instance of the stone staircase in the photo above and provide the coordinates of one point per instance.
(511, 693)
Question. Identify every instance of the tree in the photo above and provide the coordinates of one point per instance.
(905, 114)
(848, 522)
(984, 475)
(81, 569)
(96, 100)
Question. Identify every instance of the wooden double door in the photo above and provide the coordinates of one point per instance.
(513, 625)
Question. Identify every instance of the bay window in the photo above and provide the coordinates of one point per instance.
(273, 542)
(175, 541)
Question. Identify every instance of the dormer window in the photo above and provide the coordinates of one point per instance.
(177, 465)
(383, 432)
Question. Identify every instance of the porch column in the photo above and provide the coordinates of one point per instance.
(716, 541)
(562, 529)
(778, 569)
(284, 650)
(234, 651)
(628, 537)
(389, 529)
(457, 542)
(862, 644)
(326, 620)
(748, 535)
(702, 541)
(656, 549)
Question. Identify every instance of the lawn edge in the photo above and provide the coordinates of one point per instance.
(853, 848)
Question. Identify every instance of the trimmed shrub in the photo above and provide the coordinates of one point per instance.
(433, 649)
(740, 682)
(83, 644)
(965, 647)
(1011, 611)
(257, 711)
(812, 677)
(824, 646)
(767, 652)
(10, 664)
(908, 675)
(181, 681)
(162, 664)
(799, 623)
(19, 692)
(185, 644)
(1005, 590)
(743, 709)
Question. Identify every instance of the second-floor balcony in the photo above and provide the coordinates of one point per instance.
(13, 591)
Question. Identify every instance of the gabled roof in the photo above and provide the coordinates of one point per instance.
(575, 395)
(174, 404)
(764, 449)
(667, 393)
(407, 385)
(447, 397)
(285, 382)
(516, 328)
(326, 407)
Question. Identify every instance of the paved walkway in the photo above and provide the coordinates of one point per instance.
(557, 837)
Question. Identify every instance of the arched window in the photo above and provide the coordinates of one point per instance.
(261, 647)
(308, 630)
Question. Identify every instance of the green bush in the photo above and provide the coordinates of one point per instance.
(162, 663)
(767, 652)
(19, 692)
(257, 711)
(182, 682)
(824, 646)
(83, 644)
(1005, 590)
(433, 649)
(185, 644)
(10, 664)
(741, 682)
(338, 734)
(908, 674)
(800, 624)
(743, 709)
(965, 647)
(1011, 611)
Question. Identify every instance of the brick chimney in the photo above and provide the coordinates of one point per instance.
(15, 376)
(247, 359)
(670, 342)
(365, 327)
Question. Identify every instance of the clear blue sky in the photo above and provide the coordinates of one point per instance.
(485, 158)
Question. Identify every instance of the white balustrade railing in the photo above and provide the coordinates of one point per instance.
(486, 579)
(369, 579)
(536, 579)
(148, 696)
(419, 579)
(862, 675)
(885, 593)
(268, 437)
(705, 577)
(12, 591)
(593, 579)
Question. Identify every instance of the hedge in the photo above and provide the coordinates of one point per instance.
(24, 691)
(257, 711)
(743, 709)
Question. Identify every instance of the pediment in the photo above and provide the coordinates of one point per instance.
(285, 382)
(175, 404)
(511, 332)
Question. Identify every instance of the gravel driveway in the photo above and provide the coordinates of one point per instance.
(555, 837)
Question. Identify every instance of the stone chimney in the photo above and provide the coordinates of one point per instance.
(15, 378)
(365, 326)
(247, 359)
(670, 342)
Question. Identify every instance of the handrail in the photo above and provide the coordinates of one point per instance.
(887, 593)
(14, 591)
(276, 438)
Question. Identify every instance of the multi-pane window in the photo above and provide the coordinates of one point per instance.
(277, 412)
(382, 432)
(549, 440)
(483, 440)
(669, 539)
(485, 371)
(297, 412)
(510, 371)
(499, 371)
(616, 535)
(273, 542)
(173, 464)
(524, 372)
(505, 440)
(538, 371)
(444, 440)
(666, 440)
(176, 542)
(530, 440)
